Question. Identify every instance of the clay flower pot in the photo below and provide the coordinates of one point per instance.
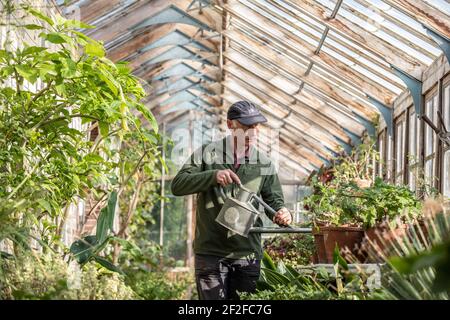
(378, 240)
(327, 237)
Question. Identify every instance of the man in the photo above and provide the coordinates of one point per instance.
(227, 263)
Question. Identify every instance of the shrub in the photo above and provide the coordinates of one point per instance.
(159, 286)
(49, 277)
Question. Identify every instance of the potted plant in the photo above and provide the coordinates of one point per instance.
(350, 207)
(335, 222)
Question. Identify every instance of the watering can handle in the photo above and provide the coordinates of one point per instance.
(220, 192)
(265, 205)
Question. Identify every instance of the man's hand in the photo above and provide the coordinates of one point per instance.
(282, 217)
(225, 177)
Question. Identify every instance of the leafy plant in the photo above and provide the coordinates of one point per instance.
(419, 266)
(351, 204)
(295, 250)
(158, 285)
(89, 247)
(49, 277)
(281, 281)
(47, 162)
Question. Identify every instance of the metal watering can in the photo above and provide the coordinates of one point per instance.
(239, 215)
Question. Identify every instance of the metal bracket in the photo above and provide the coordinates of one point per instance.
(415, 87)
(442, 41)
(367, 124)
(385, 111)
(347, 147)
(356, 140)
(201, 4)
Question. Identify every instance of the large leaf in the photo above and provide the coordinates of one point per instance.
(54, 37)
(148, 115)
(77, 24)
(33, 27)
(83, 249)
(26, 72)
(108, 265)
(338, 259)
(95, 49)
(274, 277)
(267, 262)
(106, 218)
(41, 16)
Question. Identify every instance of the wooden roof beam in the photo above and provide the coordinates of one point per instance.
(288, 66)
(424, 13)
(289, 88)
(327, 62)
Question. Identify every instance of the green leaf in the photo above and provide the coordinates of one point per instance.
(33, 27)
(53, 38)
(4, 55)
(104, 128)
(45, 205)
(26, 72)
(60, 89)
(108, 265)
(77, 24)
(148, 115)
(106, 218)
(83, 249)
(110, 82)
(41, 16)
(338, 259)
(267, 262)
(92, 157)
(32, 49)
(95, 49)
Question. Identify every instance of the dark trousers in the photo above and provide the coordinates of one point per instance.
(220, 278)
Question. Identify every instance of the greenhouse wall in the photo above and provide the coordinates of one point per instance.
(413, 154)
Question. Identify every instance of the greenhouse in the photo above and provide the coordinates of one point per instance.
(224, 150)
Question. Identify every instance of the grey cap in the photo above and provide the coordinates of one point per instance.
(246, 113)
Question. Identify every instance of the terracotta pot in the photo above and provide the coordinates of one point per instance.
(421, 226)
(346, 238)
(320, 253)
(379, 239)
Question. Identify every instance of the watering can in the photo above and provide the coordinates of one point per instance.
(239, 215)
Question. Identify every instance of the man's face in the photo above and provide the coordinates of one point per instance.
(242, 133)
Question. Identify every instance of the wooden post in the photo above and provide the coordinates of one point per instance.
(163, 179)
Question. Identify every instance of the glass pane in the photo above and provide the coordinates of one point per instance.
(429, 172)
(400, 147)
(412, 179)
(430, 112)
(381, 151)
(412, 137)
(389, 157)
(446, 175)
(446, 109)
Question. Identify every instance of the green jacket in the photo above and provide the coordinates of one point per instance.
(198, 176)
